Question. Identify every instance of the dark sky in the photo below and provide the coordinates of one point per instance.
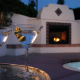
(43, 3)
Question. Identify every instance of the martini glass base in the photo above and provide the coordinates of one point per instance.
(26, 74)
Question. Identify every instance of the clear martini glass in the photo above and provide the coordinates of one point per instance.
(26, 34)
(4, 33)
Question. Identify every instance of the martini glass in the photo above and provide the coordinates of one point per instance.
(26, 34)
(4, 33)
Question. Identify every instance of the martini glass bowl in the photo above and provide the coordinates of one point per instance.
(26, 34)
(4, 33)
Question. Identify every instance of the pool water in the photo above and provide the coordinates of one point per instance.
(75, 66)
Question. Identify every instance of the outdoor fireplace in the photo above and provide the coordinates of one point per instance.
(58, 33)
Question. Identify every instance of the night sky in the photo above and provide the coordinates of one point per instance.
(43, 3)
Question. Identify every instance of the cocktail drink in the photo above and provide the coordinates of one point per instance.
(26, 34)
(4, 33)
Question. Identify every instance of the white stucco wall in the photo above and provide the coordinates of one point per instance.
(19, 19)
(78, 21)
(48, 12)
(75, 33)
(55, 50)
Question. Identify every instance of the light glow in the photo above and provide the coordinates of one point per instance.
(34, 36)
(5, 38)
(56, 39)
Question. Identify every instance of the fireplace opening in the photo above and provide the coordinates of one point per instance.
(58, 34)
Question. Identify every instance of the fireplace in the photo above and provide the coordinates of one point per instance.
(58, 33)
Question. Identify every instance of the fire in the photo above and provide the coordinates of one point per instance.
(56, 39)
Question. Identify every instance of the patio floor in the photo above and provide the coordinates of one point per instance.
(50, 63)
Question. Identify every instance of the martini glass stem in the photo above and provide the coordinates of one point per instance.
(26, 60)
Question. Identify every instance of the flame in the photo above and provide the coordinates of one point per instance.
(34, 36)
(56, 39)
(5, 38)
